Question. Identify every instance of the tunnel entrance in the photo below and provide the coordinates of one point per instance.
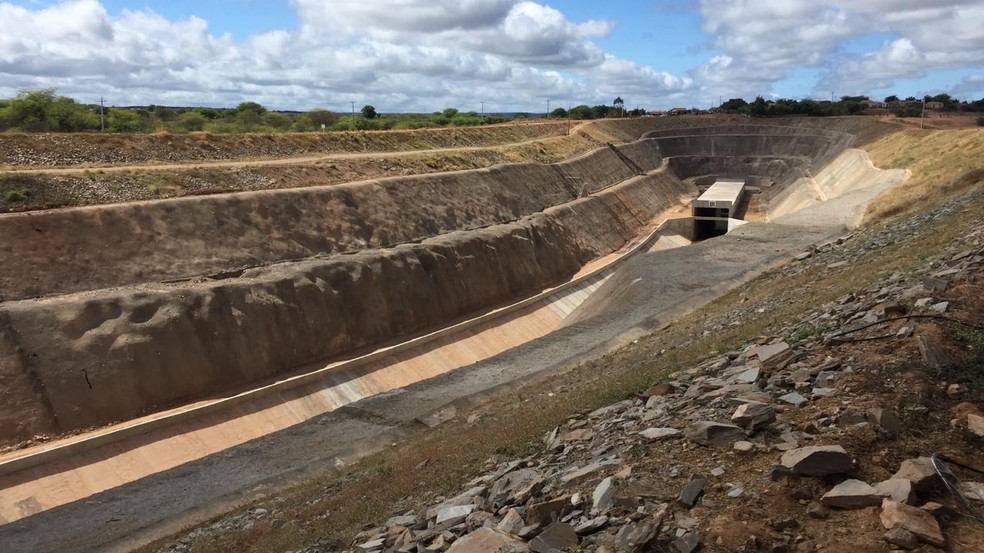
(716, 207)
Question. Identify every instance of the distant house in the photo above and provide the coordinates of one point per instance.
(679, 111)
(934, 105)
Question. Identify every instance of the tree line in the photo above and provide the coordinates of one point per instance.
(847, 105)
(45, 111)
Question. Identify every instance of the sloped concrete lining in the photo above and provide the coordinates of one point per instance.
(850, 172)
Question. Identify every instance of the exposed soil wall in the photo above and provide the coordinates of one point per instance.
(151, 346)
(77, 148)
(116, 245)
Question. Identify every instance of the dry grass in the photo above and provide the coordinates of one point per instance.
(944, 163)
(409, 475)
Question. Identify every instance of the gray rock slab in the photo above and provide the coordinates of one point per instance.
(603, 497)
(454, 514)
(753, 416)
(714, 434)
(915, 520)
(852, 494)
(660, 433)
(774, 356)
(636, 537)
(897, 489)
(920, 472)
(817, 460)
(691, 492)
(794, 398)
(885, 420)
(688, 543)
(901, 537)
(516, 487)
(485, 540)
(559, 536)
(586, 472)
(591, 525)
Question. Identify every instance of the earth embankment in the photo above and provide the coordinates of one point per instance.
(116, 349)
(148, 305)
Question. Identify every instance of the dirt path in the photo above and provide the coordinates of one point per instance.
(299, 160)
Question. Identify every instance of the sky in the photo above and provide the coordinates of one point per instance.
(491, 55)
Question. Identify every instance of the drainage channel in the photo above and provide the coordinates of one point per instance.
(58, 473)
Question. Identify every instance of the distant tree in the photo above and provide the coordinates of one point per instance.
(910, 99)
(251, 107)
(809, 107)
(449, 112)
(369, 112)
(891, 99)
(581, 112)
(277, 121)
(558, 113)
(759, 107)
(619, 106)
(209, 113)
(734, 104)
(191, 121)
(42, 110)
(637, 112)
(853, 107)
(601, 110)
(319, 117)
(124, 120)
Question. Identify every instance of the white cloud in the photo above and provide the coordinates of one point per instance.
(513, 54)
(765, 41)
(970, 87)
(396, 54)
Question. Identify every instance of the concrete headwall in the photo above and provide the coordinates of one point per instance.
(780, 169)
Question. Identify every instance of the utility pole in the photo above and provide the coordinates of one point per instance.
(548, 109)
(483, 109)
(922, 118)
(102, 115)
(568, 119)
(353, 106)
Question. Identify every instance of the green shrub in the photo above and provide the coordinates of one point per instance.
(15, 195)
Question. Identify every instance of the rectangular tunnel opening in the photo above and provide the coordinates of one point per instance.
(716, 206)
